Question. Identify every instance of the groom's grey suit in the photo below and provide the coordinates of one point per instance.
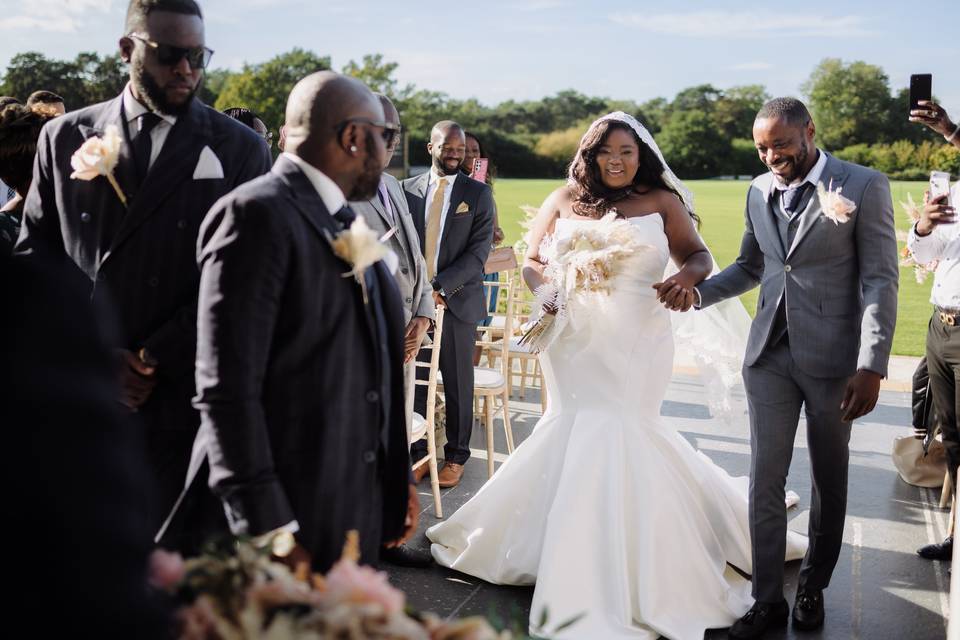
(837, 286)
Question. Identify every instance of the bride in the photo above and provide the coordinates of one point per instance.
(614, 516)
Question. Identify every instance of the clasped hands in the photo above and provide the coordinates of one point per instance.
(676, 292)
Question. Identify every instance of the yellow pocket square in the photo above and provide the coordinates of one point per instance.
(462, 208)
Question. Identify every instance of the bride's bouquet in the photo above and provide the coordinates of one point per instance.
(580, 264)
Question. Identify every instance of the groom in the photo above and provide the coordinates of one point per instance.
(820, 340)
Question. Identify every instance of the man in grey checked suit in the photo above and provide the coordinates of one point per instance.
(821, 339)
(387, 212)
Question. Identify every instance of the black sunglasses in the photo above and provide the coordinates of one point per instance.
(168, 55)
(389, 131)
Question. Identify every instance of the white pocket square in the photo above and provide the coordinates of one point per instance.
(208, 166)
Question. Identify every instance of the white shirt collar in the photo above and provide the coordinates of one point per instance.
(327, 189)
(133, 108)
(813, 176)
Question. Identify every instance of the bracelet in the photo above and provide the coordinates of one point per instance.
(953, 135)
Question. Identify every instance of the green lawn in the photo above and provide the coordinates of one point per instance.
(720, 204)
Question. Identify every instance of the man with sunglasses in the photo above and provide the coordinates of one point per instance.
(138, 253)
(387, 214)
(300, 369)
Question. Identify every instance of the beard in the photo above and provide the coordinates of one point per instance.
(153, 94)
(369, 180)
(797, 164)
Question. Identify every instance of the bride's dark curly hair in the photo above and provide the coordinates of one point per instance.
(592, 198)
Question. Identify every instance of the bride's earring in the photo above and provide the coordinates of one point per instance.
(353, 148)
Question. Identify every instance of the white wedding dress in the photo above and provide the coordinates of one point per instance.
(605, 507)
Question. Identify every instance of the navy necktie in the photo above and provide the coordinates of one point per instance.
(345, 216)
(143, 143)
(793, 196)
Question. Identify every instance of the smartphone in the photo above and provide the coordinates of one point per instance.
(921, 88)
(939, 185)
(480, 166)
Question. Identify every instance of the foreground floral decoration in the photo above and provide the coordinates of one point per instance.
(361, 248)
(834, 205)
(98, 157)
(920, 271)
(238, 593)
(580, 265)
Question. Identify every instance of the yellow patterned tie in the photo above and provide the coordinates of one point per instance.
(433, 228)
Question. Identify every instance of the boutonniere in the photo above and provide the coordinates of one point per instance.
(98, 157)
(462, 208)
(359, 247)
(834, 205)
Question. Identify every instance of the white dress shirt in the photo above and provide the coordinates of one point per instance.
(434, 180)
(813, 177)
(327, 189)
(132, 109)
(942, 244)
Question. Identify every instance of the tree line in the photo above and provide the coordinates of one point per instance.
(703, 131)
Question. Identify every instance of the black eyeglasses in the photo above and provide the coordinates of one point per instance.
(389, 131)
(168, 55)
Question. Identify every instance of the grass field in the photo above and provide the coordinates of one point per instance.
(720, 204)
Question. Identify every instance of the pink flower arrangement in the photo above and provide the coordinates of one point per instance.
(349, 582)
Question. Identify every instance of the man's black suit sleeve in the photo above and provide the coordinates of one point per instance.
(40, 234)
(173, 345)
(469, 264)
(244, 259)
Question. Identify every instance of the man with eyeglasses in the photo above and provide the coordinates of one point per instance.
(138, 252)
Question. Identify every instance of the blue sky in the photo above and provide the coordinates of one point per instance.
(523, 49)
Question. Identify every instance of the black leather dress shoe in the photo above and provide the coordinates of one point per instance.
(940, 551)
(762, 616)
(404, 556)
(808, 610)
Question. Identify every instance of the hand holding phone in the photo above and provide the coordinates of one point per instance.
(921, 88)
(937, 209)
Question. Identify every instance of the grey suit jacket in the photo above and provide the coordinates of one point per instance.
(840, 280)
(464, 243)
(411, 275)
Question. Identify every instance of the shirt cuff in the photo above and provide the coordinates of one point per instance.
(696, 298)
(262, 540)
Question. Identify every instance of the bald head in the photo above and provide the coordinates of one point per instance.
(444, 128)
(321, 102)
(390, 113)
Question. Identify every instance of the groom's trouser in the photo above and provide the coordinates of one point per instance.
(943, 366)
(776, 390)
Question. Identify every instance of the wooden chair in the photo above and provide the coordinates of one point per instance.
(423, 426)
(523, 308)
(492, 384)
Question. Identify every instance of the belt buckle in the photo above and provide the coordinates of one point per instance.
(948, 319)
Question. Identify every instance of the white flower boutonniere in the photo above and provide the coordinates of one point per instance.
(360, 247)
(834, 205)
(98, 157)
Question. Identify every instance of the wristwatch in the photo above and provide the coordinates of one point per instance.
(437, 287)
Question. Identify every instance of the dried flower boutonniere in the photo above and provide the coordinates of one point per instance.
(360, 247)
(834, 205)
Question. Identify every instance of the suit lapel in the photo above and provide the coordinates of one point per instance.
(419, 213)
(406, 230)
(309, 204)
(381, 210)
(832, 177)
(176, 163)
(768, 219)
